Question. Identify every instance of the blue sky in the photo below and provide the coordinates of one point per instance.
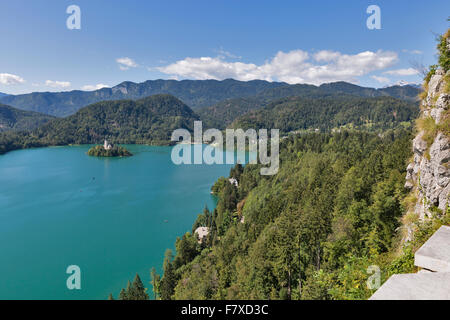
(293, 41)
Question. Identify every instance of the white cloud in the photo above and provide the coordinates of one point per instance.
(9, 79)
(223, 53)
(402, 72)
(295, 66)
(126, 63)
(57, 84)
(412, 51)
(381, 79)
(94, 87)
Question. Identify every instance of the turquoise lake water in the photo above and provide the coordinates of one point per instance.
(112, 217)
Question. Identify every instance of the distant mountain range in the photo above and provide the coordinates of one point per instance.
(195, 93)
(15, 119)
(225, 112)
(2, 94)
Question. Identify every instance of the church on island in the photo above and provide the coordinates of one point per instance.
(107, 145)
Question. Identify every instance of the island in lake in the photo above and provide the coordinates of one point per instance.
(109, 150)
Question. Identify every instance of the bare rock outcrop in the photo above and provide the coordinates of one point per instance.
(429, 173)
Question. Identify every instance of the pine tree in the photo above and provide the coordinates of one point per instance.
(123, 295)
(156, 279)
(168, 281)
(110, 297)
(137, 290)
(128, 290)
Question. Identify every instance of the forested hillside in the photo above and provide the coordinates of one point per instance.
(147, 121)
(296, 113)
(15, 119)
(225, 112)
(309, 232)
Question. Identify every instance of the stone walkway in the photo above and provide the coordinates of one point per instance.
(432, 282)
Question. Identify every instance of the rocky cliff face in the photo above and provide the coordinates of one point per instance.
(428, 176)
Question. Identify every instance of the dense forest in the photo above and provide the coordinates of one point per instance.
(222, 114)
(146, 121)
(15, 119)
(325, 114)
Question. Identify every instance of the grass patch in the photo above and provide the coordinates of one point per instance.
(424, 93)
(428, 227)
(447, 84)
(409, 202)
(430, 73)
(429, 128)
(434, 100)
(444, 52)
(444, 125)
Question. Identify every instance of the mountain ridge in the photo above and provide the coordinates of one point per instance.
(16, 119)
(196, 94)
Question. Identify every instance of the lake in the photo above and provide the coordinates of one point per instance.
(112, 217)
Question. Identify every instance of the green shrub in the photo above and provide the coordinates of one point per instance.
(444, 52)
(444, 125)
(403, 264)
(430, 73)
